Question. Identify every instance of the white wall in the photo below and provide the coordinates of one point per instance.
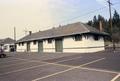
(48, 47)
(70, 45)
(93, 43)
(6, 47)
(21, 48)
(33, 47)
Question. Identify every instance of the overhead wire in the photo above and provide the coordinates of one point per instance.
(85, 14)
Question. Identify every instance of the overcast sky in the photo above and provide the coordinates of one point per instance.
(35, 15)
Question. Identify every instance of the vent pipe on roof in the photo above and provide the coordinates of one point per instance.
(30, 32)
(100, 26)
(60, 26)
(53, 28)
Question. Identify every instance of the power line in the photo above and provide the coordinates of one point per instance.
(14, 33)
(26, 31)
(114, 5)
(93, 11)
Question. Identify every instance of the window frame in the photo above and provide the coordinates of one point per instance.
(96, 37)
(34, 42)
(22, 43)
(78, 37)
(49, 41)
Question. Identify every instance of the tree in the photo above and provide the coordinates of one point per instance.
(116, 20)
(116, 34)
(95, 22)
(106, 25)
(90, 23)
(102, 19)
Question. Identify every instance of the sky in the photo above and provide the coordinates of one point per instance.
(39, 15)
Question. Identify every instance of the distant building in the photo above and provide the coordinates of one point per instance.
(7, 44)
(76, 38)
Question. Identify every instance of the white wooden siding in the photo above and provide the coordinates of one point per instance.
(33, 47)
(7, 47)
(83, 46)
(22, 48)
(48, 47)
(69, 45)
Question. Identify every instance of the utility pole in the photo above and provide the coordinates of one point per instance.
(15, 33)
(111, 28)
(111, 25)
(14, 39)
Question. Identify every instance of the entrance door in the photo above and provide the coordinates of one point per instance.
(58, 45)
(28, 46)
(40, 46)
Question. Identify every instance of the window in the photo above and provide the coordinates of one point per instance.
(49, 40)
(86, 36)
(22, 43)
(19, 44)
(96, 38)
(34, 42)
(78, 37)
(5, 47)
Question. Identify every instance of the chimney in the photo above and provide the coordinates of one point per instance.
(30, 32)
(60, 26)
(100, 26)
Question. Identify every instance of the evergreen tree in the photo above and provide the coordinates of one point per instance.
(90, 23)
(116, 26)
(106, 25)
(116, 20)
(95, 22)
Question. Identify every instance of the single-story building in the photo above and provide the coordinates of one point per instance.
(76, 37)
(8, 44)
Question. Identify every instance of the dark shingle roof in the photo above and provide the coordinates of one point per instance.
(6, 41)
(66, 30)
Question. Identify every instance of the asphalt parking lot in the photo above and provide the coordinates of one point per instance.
(101, 66)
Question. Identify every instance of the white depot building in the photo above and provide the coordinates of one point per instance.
(76, 38)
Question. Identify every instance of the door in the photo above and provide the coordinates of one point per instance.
(28, 46)
(40, 46)
(58, 45)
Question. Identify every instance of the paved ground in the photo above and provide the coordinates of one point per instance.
(101, 66)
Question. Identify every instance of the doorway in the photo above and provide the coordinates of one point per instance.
(28, 46)
(40, 46)
(59, 45)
